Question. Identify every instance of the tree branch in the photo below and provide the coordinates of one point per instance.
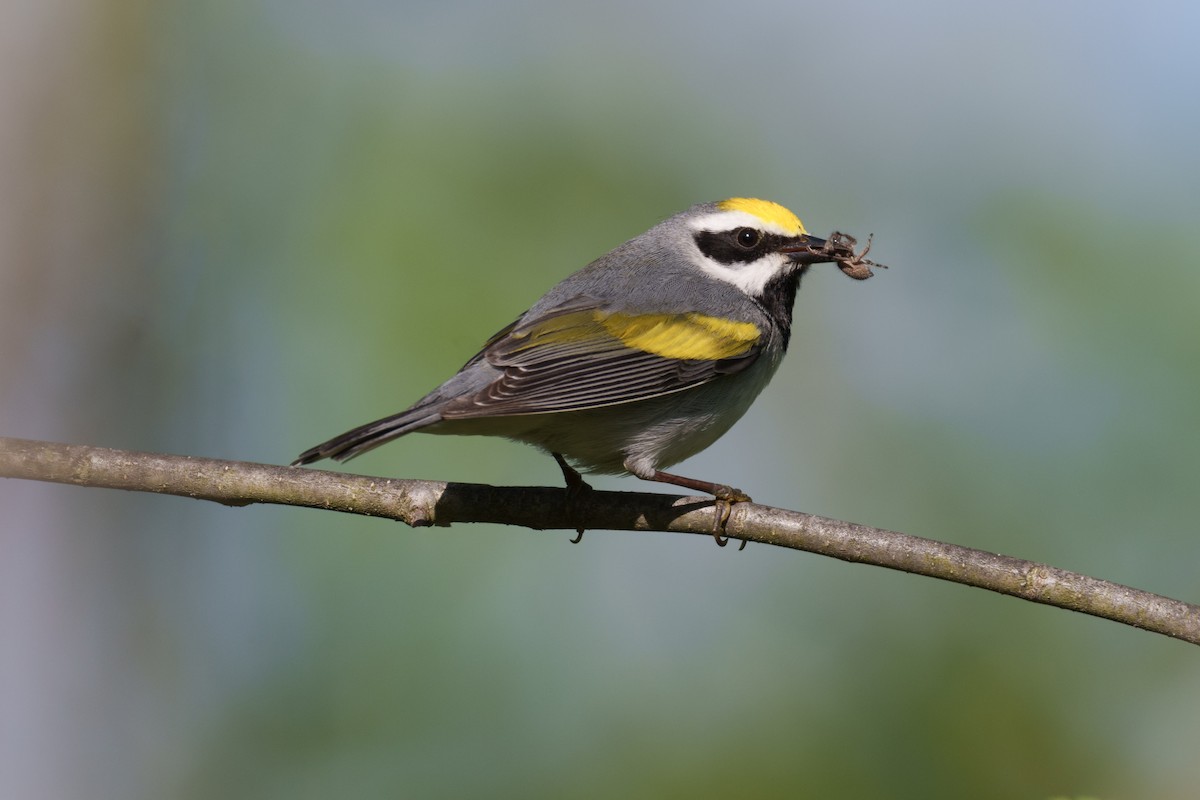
(422, 503)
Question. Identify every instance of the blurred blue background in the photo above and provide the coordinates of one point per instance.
(234, 229)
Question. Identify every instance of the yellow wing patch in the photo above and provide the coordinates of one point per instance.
(693, 337)
(684, 336)
(767, 212)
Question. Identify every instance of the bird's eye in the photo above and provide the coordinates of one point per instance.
(748, 237)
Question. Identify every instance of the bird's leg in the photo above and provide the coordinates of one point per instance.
(725, 496)
(577, 489)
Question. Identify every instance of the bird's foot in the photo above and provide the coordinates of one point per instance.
(577, 490)
(726, 496)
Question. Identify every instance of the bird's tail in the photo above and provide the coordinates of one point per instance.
(368, 437)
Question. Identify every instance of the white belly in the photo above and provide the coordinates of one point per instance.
(634, 437)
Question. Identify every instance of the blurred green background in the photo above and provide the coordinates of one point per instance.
(234, 229)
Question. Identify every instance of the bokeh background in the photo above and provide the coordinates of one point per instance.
(234, 229)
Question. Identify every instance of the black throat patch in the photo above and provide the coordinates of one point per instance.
(778, 298)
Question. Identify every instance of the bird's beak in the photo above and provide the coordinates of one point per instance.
(839, 247)
(810, 250)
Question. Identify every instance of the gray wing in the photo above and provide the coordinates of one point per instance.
(580, 355)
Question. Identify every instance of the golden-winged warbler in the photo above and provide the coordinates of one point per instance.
(642, 358)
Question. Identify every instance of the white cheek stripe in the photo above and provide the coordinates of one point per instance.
(728, 220)
(751, 278)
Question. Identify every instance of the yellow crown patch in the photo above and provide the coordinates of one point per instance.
(771, 213)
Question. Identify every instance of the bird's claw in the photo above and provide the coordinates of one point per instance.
(726, 496)
(577, 490)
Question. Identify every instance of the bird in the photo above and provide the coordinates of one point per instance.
(641, 359)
